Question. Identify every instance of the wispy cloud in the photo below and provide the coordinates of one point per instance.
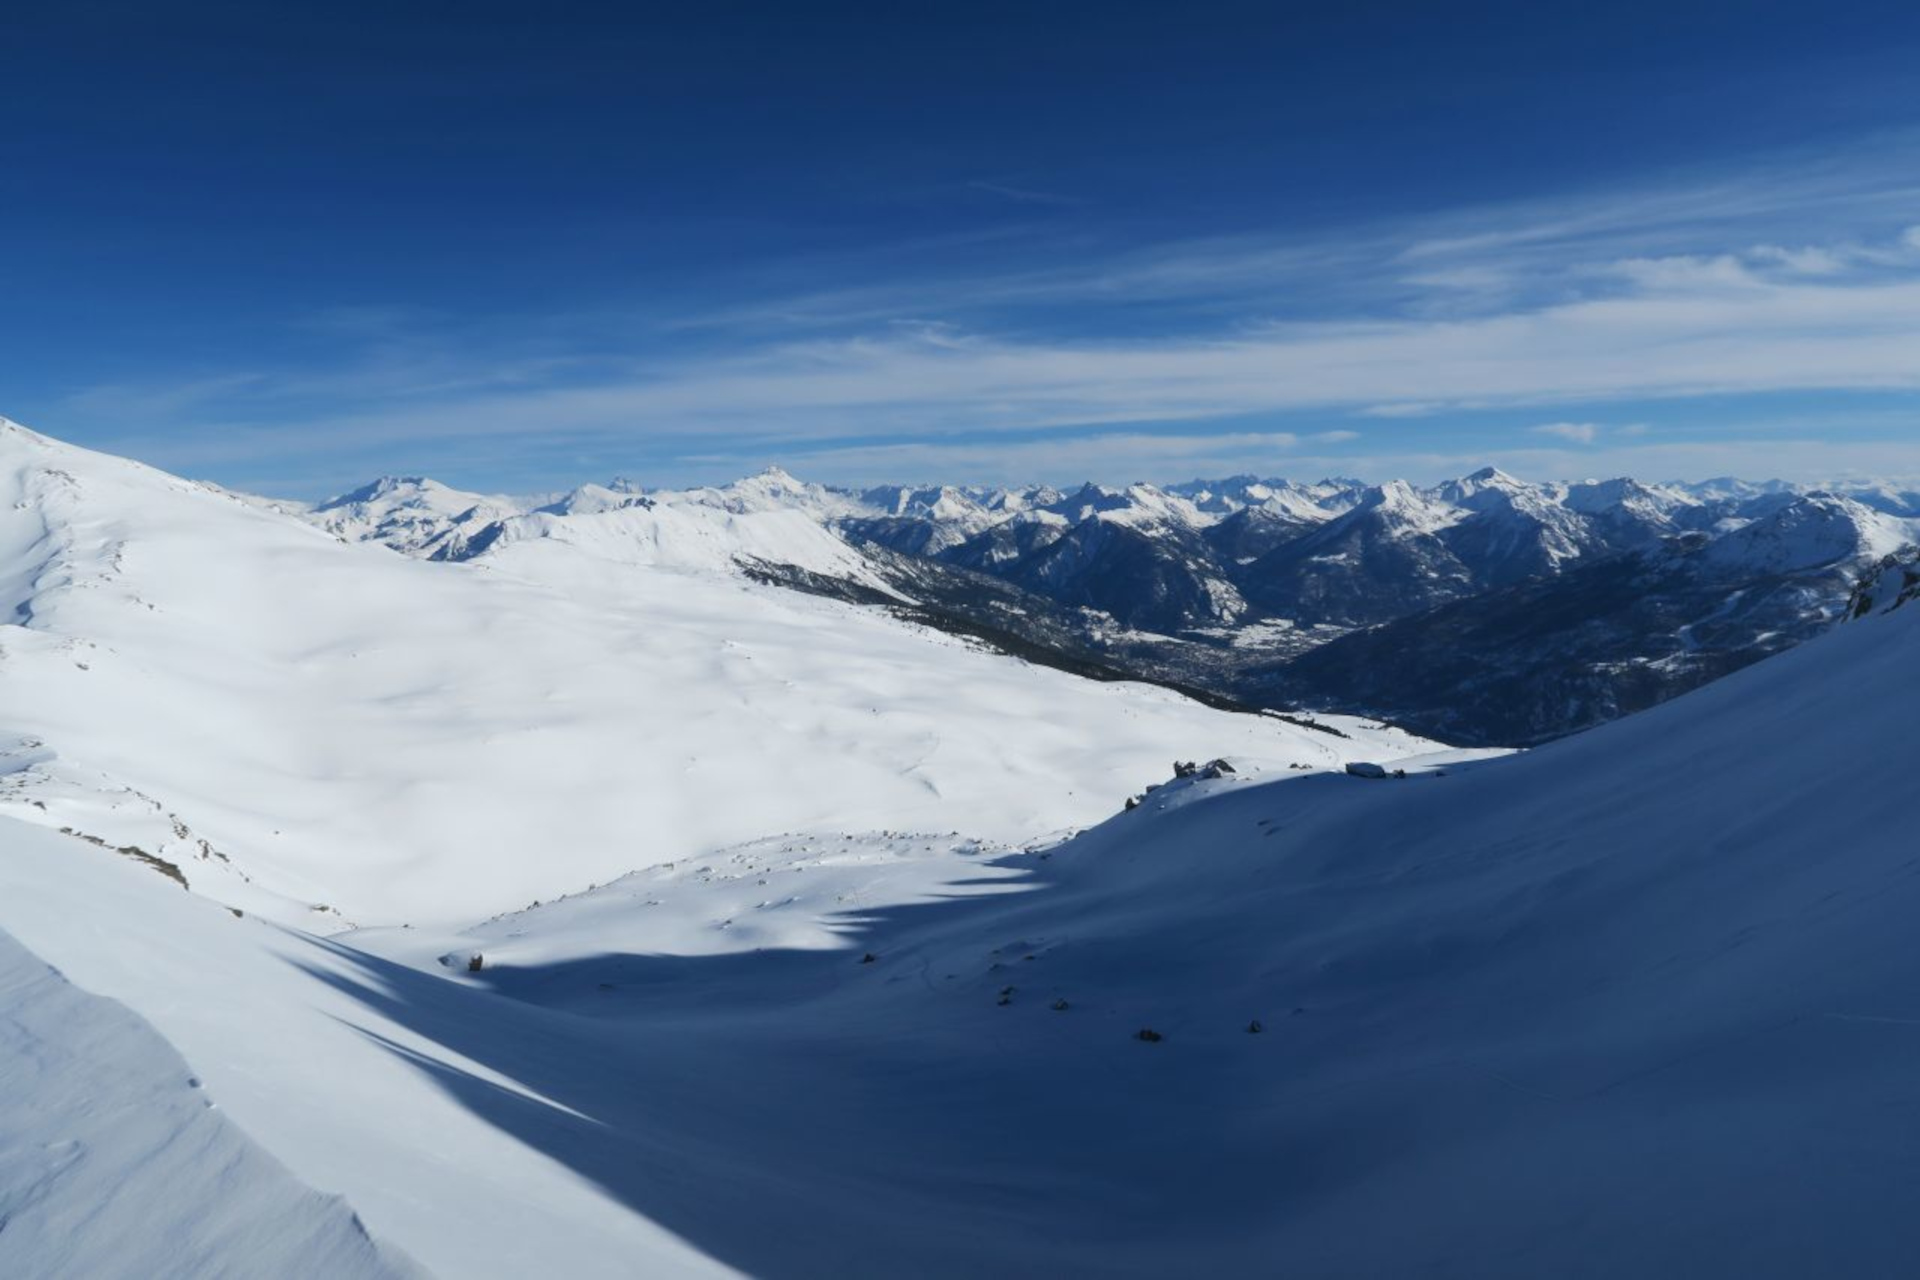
(1108, 457)
(1577, 432)
(1590, 432)
(1447, 262)
(1120, 458)
(1677, 335)
(1694, 289)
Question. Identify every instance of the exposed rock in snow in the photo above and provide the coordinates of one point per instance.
(1893, 582)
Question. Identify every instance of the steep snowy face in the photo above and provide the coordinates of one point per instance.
(1399, 510)
(1307, 502)
(1222, 497)
(1139, 505)
(926, 521)
(1629, 515)
(1382, 558)
(330, 732)
(1898, 500)
(1251, 532)
(1810, 531)
(772, 490)
(1161, 580)
(1607, 637)
(594, 499)
(412, 514)
(1891, 583)
(678, 532)
(1653, 504)
(1514, 530)
(1485, 486)
(937, 502)
(1137, 554)
(1298, 503)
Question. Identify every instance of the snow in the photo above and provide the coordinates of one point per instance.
(687, 537)
(1307, 503)
(1471, 491)
(1893, 582)
(1515, 1016)
(1406, 510)
(1652, 504)
(772, 490)
(113, 1163)
(593, 499)
(1295, 504)
(409, 513)
(1139, 506)
(271, 1021)
(336, 735)
(825, 979)
(1812, 531)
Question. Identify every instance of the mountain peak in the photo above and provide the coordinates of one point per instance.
(1480, 481)
(380, 487)
(1391, 493)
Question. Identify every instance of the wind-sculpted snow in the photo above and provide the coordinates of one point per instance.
(115, 1163)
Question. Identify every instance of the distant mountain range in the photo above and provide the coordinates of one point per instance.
(547, 849)
(1485, 609)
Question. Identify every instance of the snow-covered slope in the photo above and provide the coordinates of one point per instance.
(1636, 1003)
(1893, 583)
(669, 532)
(337, 734)
(115, 1165)
(119, 1163)
(1806, 532)
(412, 514)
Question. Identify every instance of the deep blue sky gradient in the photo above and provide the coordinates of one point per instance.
(289, 245)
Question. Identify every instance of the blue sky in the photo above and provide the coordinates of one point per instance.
(288, 247)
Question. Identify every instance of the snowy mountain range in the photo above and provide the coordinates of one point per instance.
(1484, 609)
(251, 700)
(569, 895)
